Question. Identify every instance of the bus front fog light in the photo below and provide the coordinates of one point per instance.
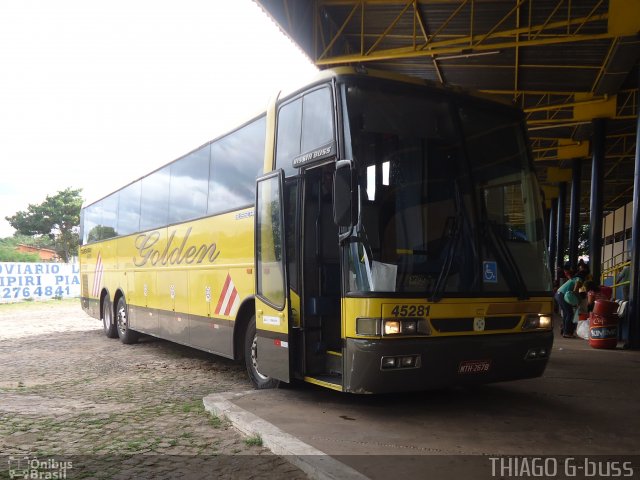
(407, 362)
(392, 327)
(540, 352)
(389, 362)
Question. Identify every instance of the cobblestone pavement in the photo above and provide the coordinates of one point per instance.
(116, 411)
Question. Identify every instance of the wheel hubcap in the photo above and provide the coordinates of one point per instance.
(254, 358)
(107, 320)
(122, 321)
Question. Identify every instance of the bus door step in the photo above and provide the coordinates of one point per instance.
(331, 381)
(333, 363)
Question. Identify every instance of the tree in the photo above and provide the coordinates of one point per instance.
(583, 240)
(57, 218)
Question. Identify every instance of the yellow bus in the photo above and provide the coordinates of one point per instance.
(368, 233)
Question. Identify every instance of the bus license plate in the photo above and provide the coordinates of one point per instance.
(474, 366)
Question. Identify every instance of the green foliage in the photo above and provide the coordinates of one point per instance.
(583, 239)
(9, 254)
(254, 441)
(56, 219)
(19, 239)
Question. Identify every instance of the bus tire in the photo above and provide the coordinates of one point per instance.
(258, 380)
(127, 336)
(109, 326)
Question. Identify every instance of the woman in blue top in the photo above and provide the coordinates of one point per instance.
(573, 284)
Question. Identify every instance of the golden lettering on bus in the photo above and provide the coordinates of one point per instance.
(172, 254)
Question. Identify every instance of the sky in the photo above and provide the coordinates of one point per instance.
(94, 94)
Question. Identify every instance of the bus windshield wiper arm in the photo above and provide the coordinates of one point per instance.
(454, 238)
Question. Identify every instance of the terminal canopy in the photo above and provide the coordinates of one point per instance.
(563, 62)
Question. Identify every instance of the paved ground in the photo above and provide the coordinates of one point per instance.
(116, 411)
(136, 411)
(582, 414)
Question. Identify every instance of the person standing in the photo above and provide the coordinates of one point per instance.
(567, 298)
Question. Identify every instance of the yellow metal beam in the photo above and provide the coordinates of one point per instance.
(340, 30)
(586, 108)
(555, 174)
(389, 28)
(565, 149)
(568, 149)
(624, 17)
(438, 48)
(568, 104)
(550, 192)
(500, 22)
(461, 44)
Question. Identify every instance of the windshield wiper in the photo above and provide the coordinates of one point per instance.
(454, 238)
(505, 258)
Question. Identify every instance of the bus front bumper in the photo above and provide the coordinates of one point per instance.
(444, 361)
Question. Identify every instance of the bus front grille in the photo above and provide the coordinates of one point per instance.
(466, 324)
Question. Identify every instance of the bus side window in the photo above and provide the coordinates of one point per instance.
(189, 185)
(304, 125)
(154, 203)
(289, 130)
(236, 162)
(129, 209)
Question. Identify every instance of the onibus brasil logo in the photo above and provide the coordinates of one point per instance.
(35, 468)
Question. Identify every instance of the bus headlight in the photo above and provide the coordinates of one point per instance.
(545, 321)
(392, 327)
(374, 327)
(406, 326)
(533, 322)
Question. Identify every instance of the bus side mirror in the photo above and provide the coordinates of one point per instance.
(343, 214)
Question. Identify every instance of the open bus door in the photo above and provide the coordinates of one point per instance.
(272, 293)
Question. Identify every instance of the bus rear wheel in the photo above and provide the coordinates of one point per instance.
(258, 380)
(108, 324)
(127, 336)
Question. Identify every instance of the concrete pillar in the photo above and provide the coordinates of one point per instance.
(574, 212)
(633, 315)
(560, 227)
(597, 179)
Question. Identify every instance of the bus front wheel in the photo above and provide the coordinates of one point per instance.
(259, 380)
(127, 336)
(108, 324)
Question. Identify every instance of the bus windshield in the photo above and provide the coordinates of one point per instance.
(449, 203)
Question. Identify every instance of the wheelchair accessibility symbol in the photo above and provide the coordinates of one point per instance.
(490, 272)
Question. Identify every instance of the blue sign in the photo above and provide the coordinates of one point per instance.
(489, 272)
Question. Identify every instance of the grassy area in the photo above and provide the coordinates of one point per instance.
(253, 441)
(38, 304)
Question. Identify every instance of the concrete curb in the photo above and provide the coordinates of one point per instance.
(315, 463)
